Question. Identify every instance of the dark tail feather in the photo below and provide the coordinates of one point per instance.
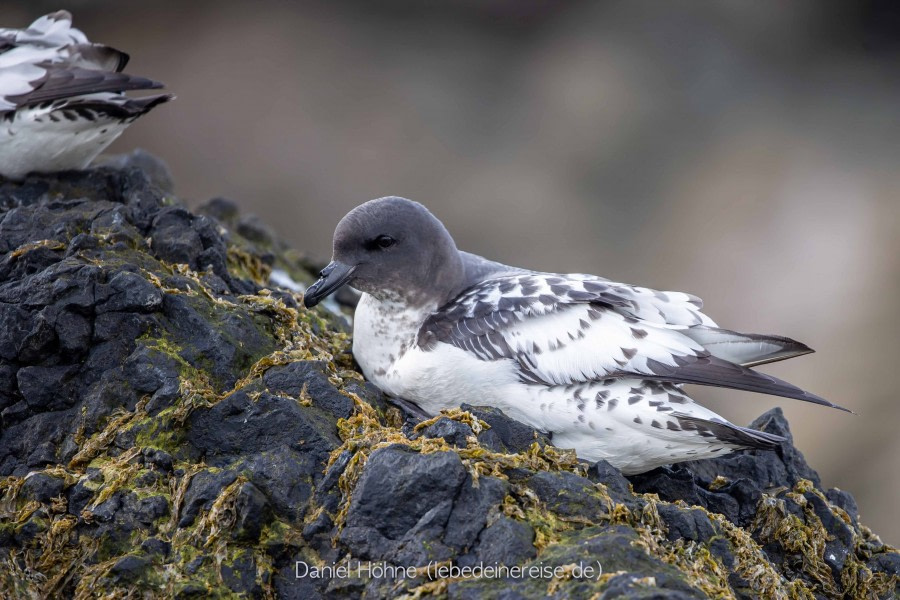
(729, 433)
(60, 82)
(130, 108)
(709, 370)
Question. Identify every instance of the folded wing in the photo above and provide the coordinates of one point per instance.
(51, 60)
(568, 329)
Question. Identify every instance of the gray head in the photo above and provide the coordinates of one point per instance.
(391, 248)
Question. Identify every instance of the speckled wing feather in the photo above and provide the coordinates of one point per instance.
(52, 39)
(569, 329)
(67, 82)
(97, 106)
(50, 60)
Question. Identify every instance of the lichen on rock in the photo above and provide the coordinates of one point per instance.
(176, 425)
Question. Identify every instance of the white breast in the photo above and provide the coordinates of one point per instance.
(383, 331)
(384, 345)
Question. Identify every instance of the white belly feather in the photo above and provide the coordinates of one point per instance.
(43, 140)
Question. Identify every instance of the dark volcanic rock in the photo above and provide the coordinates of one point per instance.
(252, 513)
(129, 569)
(567, 494)
(292, 379)
(472, 508)
(746, 476)
(402, 497)
(171, 426)
(42, 487)
(453, 432)
(239, 425)
(505, 542)
(505, 434)
(616, 483)
(202, 491)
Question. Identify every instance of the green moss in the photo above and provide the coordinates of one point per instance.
(159, 432)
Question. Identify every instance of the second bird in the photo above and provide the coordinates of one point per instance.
(62, 99)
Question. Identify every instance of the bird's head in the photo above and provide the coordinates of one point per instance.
(391, 248)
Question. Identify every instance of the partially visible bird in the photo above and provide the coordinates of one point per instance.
(61, 97)
(597, 364)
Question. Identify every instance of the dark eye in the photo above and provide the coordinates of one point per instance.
(381, 242)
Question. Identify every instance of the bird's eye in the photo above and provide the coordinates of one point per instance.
(383, 241)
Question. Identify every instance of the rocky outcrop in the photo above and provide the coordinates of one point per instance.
(175, 425)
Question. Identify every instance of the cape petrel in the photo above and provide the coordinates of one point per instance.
(61, 97)
(597, 364)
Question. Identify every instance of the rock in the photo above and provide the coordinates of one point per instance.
(223, 344)
(506, 542)
(160, 459)
(567, 494)
(845, 501)
(887, 562)
(221, 209)
(202, 491)
(399, 488)
(156, 170)
(157, 546)
(283, 445)
(682, 524)
(240, 425)
(252, 228)
(129, 569)
(603, 472)
(79, 496)
(292, 379)
(173, 238)
(505, 434)
(454, 433)
(240, 576)
(252, 512)
(129, 292)
(47, 388)
(149, 509)
(42, 487)
(174, 424)
(471, 510)
(148, 369)
(746, 475)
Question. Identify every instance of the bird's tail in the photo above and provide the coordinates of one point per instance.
(729, 433)
(746, 349)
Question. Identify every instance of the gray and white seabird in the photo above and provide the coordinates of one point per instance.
(598, 364)
(61, 97)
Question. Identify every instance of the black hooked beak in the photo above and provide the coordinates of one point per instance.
(330, 280)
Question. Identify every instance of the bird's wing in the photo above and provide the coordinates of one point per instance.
(50, 60)
(54, 29)
(17, 88)
(567, 329)
(102, 105)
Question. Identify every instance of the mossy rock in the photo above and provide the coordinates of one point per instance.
(175, 424)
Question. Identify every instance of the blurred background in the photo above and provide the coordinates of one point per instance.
(747, 151)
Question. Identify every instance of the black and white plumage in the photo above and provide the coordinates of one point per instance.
(61, 97)
(599, 365)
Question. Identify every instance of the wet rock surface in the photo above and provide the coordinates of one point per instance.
(175, 425)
